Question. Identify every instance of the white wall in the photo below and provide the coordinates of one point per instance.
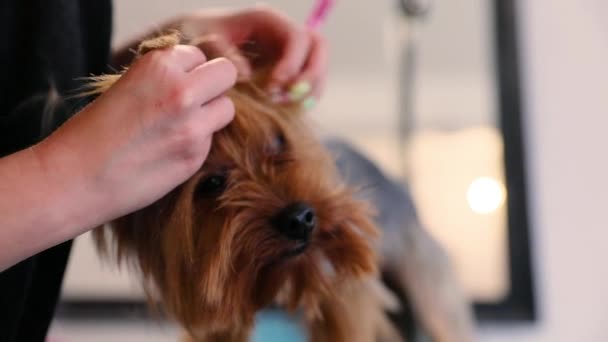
(565, 51)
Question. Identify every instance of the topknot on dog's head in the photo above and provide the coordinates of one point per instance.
(163, 41)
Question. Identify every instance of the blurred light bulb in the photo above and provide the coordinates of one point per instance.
(485, 195)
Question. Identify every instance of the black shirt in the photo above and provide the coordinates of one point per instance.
(46, 47)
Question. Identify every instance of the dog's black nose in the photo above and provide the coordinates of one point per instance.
(296, 221)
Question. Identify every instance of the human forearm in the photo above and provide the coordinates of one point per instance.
(35, 212)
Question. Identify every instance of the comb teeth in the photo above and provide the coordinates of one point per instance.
(319, 13)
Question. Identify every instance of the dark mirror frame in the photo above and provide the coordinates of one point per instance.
(519, 305)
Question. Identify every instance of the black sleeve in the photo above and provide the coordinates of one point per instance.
(19, 130)
(31, 121)
(30, 291)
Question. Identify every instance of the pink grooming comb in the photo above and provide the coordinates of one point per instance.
(319, 13)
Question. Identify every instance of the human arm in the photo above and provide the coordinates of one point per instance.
(136, 142)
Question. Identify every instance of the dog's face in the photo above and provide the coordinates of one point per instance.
(265, 220)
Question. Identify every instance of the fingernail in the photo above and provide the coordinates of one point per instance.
(309, 103)
(299, 90)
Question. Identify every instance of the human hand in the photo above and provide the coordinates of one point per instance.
(144, 136)
(262, 36)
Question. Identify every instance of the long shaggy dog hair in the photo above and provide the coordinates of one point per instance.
(266, 221)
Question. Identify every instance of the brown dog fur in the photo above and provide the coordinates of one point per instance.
(212, 258)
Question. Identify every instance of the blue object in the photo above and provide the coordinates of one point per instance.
(277, 326)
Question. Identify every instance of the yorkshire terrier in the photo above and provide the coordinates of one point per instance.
(269, 221)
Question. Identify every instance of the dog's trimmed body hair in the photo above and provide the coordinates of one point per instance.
(212, 259)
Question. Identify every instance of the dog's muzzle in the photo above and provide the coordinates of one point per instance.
(296, 222)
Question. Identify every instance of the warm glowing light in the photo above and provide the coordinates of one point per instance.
(485, 195)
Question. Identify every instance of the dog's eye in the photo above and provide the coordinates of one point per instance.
(278, 144)
(211, 185)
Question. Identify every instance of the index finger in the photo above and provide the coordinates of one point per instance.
(211, 79)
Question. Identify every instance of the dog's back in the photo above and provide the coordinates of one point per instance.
(412, 260)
